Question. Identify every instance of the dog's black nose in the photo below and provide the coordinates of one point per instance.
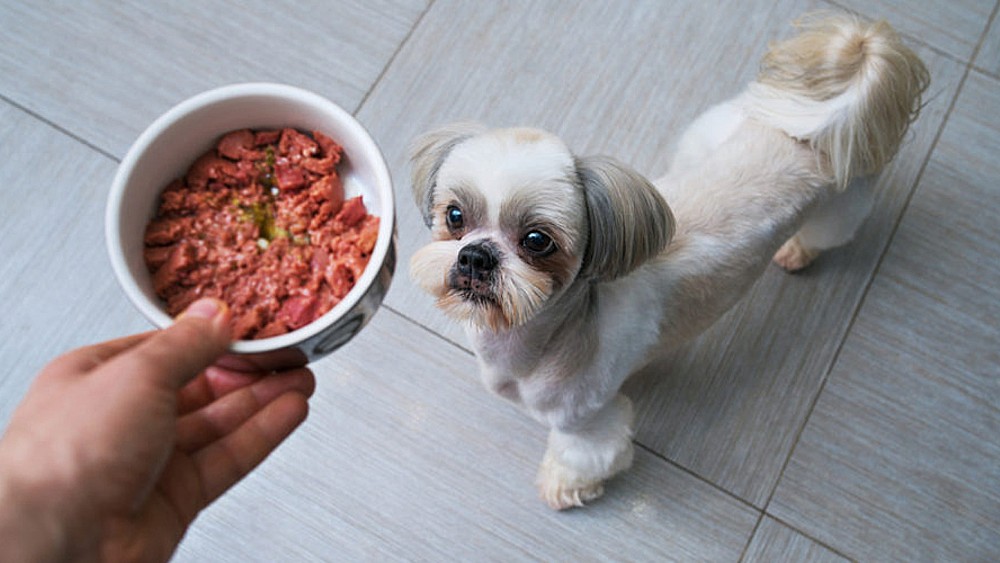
(476, 259)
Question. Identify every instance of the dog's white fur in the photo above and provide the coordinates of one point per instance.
(779, 171)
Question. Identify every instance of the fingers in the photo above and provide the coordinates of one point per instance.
(223, 416)
(223, 381)
(84, 359)
(173, 356)
(223, 463)
(211, 384)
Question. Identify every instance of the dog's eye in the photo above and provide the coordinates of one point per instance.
(538, 243)
(453, 216)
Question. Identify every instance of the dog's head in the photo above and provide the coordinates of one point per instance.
(517, 219)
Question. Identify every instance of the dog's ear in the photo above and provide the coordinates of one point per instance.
(427, 153)
(629, 220)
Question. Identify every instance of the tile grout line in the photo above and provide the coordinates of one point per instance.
(760, 520)
(357, 110)
(392, 59)
(59, 128)
(910, 38)
(753, 534)
(969, 67)
(986, 73)
(814, 540)
(761, 513)
(428, 329)
(982, 40)
(698, 477)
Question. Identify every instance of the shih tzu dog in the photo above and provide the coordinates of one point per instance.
(571, 272)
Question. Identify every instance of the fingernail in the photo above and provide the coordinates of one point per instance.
(204, 309)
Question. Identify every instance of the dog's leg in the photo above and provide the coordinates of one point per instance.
(577, 463)
(831, 224)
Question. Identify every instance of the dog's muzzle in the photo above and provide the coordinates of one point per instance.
(475, 267)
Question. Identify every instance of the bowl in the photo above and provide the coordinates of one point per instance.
(165, 150)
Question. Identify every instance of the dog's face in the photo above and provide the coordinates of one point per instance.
(516, 219)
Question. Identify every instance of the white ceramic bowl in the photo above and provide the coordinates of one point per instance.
(166, 149)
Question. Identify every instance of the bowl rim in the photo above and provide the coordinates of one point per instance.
(382, 186)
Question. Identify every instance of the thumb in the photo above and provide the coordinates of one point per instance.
(176, 354)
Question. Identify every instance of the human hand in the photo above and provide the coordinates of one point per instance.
(117, 447)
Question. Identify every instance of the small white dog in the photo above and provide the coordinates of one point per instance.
(572, 272)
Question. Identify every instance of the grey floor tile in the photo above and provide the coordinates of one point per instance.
(56, 282)
(104, 70)
(729, 405)
(774, 541)
(954, 27)
(899, 459)
(415, 460)
(988, 58)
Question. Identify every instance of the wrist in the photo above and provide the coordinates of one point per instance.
(39, 519)
(44, 510)
(29, 531)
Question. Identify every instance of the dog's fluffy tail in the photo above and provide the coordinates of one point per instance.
(848, 87)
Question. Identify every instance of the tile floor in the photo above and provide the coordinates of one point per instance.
(850, 412)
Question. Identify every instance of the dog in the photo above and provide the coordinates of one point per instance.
(571, 272)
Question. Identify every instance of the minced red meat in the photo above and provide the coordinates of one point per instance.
(261, 223)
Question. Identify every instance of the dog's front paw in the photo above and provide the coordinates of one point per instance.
(792, 256)
(561, 488)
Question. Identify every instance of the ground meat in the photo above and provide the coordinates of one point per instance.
(260, 222)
